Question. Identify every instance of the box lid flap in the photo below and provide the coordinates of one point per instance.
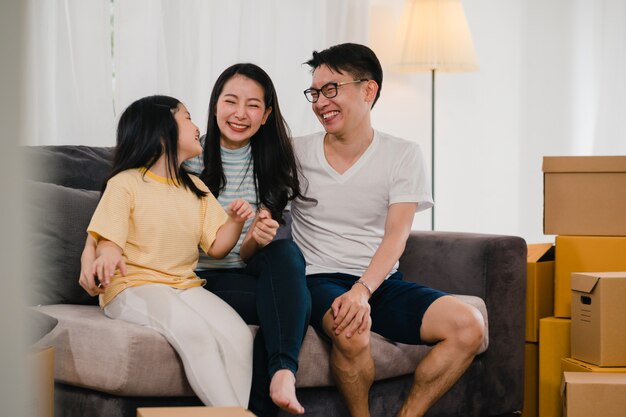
(575, 365)
(584, 282)
(609, 275)
(584, 163)
(593, 378)
(540, 252)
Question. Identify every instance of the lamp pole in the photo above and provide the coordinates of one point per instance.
(432, 145)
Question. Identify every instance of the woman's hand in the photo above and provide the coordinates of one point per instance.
(264, 228)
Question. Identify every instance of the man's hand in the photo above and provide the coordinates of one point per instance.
(351, 311)
(264, 228)
(239, 210)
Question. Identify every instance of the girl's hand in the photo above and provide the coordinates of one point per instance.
(87, 278)
(239, 210)
(264, 228)
(109, 259)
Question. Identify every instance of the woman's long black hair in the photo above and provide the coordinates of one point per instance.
(147, 129)
(275, 168)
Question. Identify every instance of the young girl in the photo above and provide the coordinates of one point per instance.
(148, 225)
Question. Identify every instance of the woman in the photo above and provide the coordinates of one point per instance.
(248, 154)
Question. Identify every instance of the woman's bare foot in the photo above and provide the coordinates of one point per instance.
(283, 392)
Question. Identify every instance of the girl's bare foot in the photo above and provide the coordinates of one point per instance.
(283, 392)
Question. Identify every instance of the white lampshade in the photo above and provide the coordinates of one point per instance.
(434, 35)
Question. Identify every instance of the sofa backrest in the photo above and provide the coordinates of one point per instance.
(62, 189)
(62, 192)
(82, 167)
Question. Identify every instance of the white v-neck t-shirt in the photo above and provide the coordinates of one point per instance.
(344, 229)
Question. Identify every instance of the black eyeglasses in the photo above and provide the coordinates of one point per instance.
(329, 90)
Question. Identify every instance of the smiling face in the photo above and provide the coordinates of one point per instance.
(188, 135)
(240, 111)
(349, 110)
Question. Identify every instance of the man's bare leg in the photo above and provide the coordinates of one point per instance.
(459, 328)
(283, 391)
(352, 367)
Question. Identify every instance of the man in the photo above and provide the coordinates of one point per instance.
(368, 186)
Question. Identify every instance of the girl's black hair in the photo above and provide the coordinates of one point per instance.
(147, 129)
(274, 167)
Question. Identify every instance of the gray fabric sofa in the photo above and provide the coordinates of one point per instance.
(108, 368)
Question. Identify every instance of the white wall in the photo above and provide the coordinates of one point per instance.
(550, 83)
(477, 121)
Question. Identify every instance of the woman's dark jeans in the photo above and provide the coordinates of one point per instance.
(271, 292)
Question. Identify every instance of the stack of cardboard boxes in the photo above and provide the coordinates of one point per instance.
(539, 304)
(585, 206)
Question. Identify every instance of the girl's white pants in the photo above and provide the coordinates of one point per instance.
(213, 342)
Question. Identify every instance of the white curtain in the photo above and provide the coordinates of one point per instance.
(180, 47)
(68, 97)
(80, 81)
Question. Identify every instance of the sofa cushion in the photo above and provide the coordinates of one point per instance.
(55, 237)
(113, 356)
(39, 325)
(84, 167)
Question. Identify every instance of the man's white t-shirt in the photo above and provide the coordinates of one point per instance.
(344, 229)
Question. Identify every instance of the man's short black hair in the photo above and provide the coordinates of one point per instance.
(358, 60)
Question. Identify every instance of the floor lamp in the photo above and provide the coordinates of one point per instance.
(435, 36)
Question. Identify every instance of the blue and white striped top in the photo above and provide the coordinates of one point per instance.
(239, 172)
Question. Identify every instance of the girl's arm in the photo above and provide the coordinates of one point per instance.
(261, 233)
(87, 278)
(228, 234)
(108, 259)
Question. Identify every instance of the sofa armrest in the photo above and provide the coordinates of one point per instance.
(493, 268)
(467, 263)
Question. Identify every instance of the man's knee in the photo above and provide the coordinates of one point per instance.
(451, 319)
(348, 346)
(470, 329)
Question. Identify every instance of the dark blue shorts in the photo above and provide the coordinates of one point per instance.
(397, 306)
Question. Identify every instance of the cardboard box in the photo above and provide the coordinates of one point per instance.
(589, 394)
(554, 345)
(41, 382)
(193, 412)
(584, 195)
(598, 311)
(539, 287)
(531, 381)
(583, 254)
(574, 365)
